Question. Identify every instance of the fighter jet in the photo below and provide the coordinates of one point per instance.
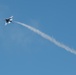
(8, 20)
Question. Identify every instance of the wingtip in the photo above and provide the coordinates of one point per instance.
(11, 16)
(5, 24)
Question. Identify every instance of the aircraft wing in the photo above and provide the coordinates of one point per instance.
(7, 23)
(11, 17)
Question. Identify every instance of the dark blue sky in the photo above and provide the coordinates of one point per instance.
(23, 52)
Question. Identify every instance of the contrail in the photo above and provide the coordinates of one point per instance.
(51, 39)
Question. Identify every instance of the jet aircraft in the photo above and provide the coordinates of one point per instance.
(8, 20)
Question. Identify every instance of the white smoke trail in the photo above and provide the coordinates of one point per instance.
(51, 39)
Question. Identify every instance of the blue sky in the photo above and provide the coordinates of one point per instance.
(23, 52)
